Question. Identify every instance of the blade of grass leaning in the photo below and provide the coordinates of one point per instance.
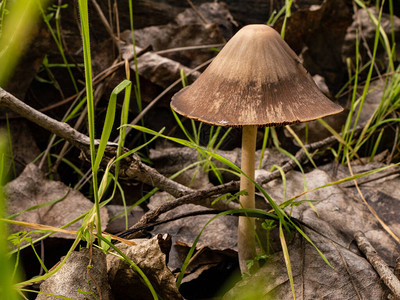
(337, 136)
(109, 121)
(75, 111)
(376, 145)
(285, 252)
(47, 294)
(38, 257)
(70, 164)
(264, 146)
(178, 120)
(132, 151)
(298, 140)
(343, 180)
(224, 136)
(283, 177)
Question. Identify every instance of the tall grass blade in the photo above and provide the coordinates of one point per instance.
(285, 252)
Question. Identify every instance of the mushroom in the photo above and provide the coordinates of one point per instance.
(255, 80)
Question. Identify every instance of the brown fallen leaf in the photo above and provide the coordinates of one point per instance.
(31, 188)
(75, 280)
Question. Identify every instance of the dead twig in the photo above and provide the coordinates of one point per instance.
(198, 12)
(378, 263)
(132, 168)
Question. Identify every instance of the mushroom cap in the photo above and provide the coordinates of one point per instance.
(256, 79)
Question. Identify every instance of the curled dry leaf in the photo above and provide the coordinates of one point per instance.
(150, 256)
(73, 281)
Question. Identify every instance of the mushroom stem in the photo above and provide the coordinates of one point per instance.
(246, 237)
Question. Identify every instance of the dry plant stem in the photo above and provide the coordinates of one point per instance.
(198, 12)
(378, 263)
(246, 237)
(106, 25)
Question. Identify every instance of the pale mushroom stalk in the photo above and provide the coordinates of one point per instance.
(246, 237)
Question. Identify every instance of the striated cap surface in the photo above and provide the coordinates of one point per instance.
(256, 79)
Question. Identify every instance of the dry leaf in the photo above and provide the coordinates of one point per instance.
(31, 188)
(150, 257)
(72, 277)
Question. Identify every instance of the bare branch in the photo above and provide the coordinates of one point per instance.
(378, 263)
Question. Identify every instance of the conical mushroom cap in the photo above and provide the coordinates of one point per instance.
(256, 79)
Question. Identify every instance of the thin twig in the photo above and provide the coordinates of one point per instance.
(378, 263)
(106, 25)
(198, 12)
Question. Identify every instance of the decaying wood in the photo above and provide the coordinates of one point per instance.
(378, 263)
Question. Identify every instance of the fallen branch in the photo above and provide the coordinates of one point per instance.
(378, 263)
(132, 168)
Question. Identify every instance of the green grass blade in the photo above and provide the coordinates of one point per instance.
(264, 146)
(285, 252)
(296, 137)
(109, 121)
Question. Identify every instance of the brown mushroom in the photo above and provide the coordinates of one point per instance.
(256, 80)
